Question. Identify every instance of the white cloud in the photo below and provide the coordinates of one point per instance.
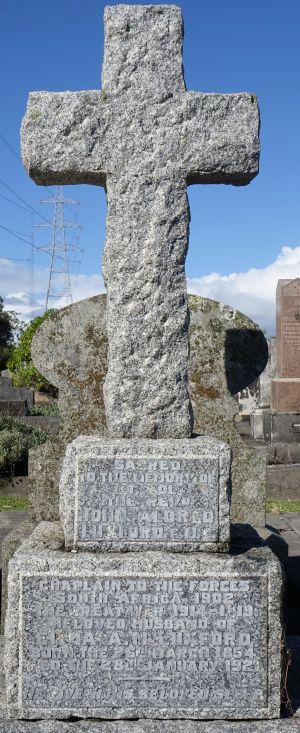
(251, 292)
(26, 295)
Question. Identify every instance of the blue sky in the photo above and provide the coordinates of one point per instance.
(229, 46)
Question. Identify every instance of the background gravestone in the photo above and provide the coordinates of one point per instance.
(286, 384)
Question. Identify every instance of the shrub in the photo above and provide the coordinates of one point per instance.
(15, 441)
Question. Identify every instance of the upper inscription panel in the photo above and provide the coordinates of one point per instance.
(129, 495)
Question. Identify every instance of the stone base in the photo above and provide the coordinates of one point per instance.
(142, 635)
(151, 726)
(285, 394)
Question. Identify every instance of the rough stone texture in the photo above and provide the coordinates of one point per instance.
(66, 654)
(144, 137)
(10, 544)
(146, 494)
(44, 467)
(152, 726)
(286, 385)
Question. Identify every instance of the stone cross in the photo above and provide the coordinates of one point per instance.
(144, 138)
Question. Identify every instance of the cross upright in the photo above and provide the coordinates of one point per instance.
(144, 138)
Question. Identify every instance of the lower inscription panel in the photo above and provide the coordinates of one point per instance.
(117, 641)
(128, 639)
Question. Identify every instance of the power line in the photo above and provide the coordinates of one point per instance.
(11, 190)
(14, 259)
(14, 202)
(10, 147)
(29, 207)
(14, 234)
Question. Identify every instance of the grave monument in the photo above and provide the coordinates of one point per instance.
(139, 620)
(280, 421)
(286, 384)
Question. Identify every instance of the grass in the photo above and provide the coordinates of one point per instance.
(13, 502)
(277, 507)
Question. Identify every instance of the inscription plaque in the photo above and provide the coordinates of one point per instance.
(286, 385)
(288, 328)
(143, 635)
(130, 495)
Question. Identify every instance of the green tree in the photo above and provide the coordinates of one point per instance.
(9, 326)
(20, 363)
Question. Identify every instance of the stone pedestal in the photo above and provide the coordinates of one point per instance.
(142, 635)
(145, 494)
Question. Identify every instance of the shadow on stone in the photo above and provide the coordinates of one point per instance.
(246, 355)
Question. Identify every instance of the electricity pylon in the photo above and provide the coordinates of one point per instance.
(59, 283)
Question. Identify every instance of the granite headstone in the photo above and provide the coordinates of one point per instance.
(148, 634)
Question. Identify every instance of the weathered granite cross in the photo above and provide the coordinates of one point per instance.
(144, 138)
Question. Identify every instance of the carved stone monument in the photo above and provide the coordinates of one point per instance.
(132, 629)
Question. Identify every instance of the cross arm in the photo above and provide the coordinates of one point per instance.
(221, 138)
(63, 137)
